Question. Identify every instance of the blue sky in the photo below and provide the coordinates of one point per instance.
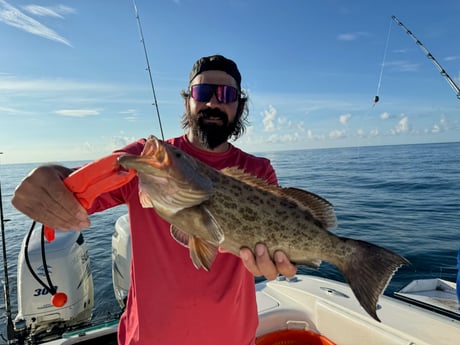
(74, 85)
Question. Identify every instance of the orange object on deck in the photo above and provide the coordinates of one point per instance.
(293, 337)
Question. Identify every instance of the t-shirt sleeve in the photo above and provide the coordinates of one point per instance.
(271, 174)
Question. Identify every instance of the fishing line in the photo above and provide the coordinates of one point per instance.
(377, 94)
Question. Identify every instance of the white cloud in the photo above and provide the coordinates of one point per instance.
(452, 58)
(283, 138)
(351, 36)
(12, 16)
(403, 66)
(361, 133)
(436, 128)
(441, 126)
(129, 115)
(8, 110)
(315, 136)
(374, 133)
(403, 125)
(385, 116)
(344, 119)
(337, 134)
(120, 141)
(56, 11)
(269, 116)
(77, 112)
(8, 84)
(283, 121)
(346, 37)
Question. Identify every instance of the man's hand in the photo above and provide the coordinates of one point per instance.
(260, 264)
(43, 196)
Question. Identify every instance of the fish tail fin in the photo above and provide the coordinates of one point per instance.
(368, 271)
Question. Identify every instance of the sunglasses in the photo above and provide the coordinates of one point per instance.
(204, 92)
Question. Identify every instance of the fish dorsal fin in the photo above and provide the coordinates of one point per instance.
(202, 253)
(247, 178)
(320, 208)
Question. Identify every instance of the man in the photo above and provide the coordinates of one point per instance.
(170, 301)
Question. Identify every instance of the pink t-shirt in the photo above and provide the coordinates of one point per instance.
(170, 301)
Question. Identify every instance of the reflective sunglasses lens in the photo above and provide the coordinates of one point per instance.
(204, 92)
(226, 94)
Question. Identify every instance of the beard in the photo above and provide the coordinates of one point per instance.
(211, 134)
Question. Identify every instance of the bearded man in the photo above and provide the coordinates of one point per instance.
(169, 300)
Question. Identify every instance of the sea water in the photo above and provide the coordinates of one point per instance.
(405, 198)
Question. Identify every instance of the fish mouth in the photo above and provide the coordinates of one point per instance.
(154, 154)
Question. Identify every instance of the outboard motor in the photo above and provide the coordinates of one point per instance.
(68, 270)
(121, 259)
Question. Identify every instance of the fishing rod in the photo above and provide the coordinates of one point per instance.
(6, 284)
(155, 103)
(430, 56)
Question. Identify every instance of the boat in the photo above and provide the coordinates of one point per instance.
(316, 310)
(437, 294)
(301, 310)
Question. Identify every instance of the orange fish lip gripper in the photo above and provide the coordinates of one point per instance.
(94, 179)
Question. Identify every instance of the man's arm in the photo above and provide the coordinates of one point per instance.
(43, 196)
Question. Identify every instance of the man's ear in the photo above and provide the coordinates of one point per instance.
(186, 101)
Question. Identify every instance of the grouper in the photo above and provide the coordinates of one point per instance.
(211, 211)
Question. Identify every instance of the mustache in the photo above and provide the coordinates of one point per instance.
(214, 113)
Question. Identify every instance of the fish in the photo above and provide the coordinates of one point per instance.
(225, 210)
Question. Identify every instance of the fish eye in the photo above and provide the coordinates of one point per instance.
(178, 155)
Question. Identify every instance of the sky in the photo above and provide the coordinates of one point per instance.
(74, 83)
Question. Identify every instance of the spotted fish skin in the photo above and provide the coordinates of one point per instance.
(230, 209)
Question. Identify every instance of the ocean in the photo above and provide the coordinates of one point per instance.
(404, 197)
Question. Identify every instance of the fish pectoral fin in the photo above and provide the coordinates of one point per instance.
(212, 226)
(180, 236)
(202, 253)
